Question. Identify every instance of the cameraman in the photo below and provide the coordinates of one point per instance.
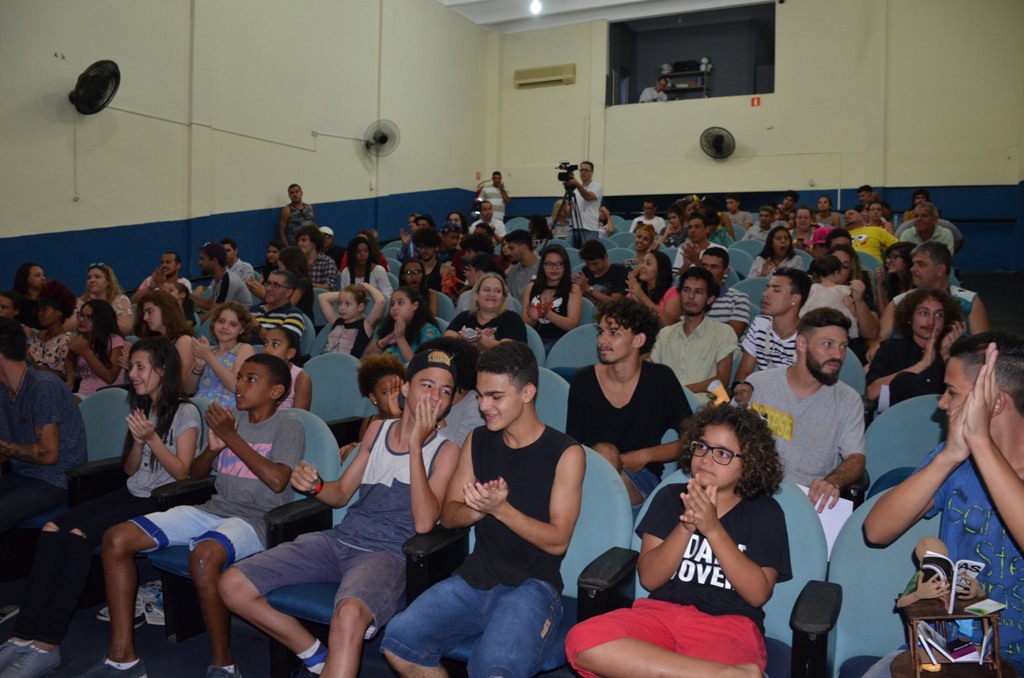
(588, 196)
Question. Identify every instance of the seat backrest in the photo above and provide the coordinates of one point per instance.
(695, 402)
(904, 434)
(445, 307)
(517, 224)
(808, 553)
(806, 256)
(869, 262)
(335, 389)
(320, 341)
(622, 238)
(753, 288)
(321, 448)
(606, 520)
(308, 336)
(871, 578)
(577, 348)
(536, 345)
(852, 373)
(587, 314)
(751, 247)
(617, 255)
(552, 399)
(104, 414)
(740, 261)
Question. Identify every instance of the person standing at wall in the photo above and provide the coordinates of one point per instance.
(294, 216)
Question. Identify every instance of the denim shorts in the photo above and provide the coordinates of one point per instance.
(513, 626)
(643, 480)
(375, 578)
(188, 525)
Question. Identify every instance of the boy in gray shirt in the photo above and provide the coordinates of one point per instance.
(254, 449)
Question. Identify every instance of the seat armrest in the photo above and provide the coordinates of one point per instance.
(287, 522)
(817, 608)
(94, 479)
(431, 557)
(857, 491)
(608, 583)
(813, 617)
(183, 492)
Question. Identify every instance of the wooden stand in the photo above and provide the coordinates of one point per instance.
(908, 663)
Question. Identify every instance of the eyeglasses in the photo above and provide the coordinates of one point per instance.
(414, 272)
(84, 316)
(97, 264)
(278, 286)
(719, 455)
(554, 264)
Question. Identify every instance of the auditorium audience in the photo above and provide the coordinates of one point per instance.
(409, 324)
(650, 283)
(101, 283)
(48, 349)
(343, 311)
(777, 253)
(28, 281)
(159, 314)
(214, 374)
(553, 304)
(284, 344)
(488, 319)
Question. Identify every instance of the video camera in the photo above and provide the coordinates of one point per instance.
(566, 171)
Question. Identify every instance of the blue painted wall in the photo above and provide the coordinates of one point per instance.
(990, 217)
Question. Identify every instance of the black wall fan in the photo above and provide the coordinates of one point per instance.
(717, 142)
(96, 87)
(381, 138)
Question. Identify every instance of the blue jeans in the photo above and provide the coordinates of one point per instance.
(22, 498)
(513, 626)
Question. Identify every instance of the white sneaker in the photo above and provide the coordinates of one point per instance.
(140, 613)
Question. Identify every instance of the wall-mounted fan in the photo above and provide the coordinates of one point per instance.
(381, 138)
(717, 142)
(96, 87)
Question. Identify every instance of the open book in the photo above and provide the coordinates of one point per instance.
(938, 565)
(958, 650)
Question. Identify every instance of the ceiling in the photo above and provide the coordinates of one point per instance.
(514, 16)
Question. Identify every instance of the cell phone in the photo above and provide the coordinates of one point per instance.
(471, 334)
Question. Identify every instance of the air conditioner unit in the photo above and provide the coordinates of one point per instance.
(563, 74)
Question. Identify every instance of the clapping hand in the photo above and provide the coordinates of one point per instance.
(486, 497)
(139, 425)
(701, 508)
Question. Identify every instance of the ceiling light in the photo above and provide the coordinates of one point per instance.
(535, 6)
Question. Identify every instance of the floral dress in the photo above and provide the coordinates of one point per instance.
(210, 385)
(51, 352)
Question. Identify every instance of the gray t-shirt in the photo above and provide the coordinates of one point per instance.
(151, 473)
(813, 434)
(281, 439)
(518, 277)
(230, 288)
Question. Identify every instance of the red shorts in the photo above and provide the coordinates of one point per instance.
(727, 639)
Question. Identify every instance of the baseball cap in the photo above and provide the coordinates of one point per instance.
(450, 227)
(432, 358)
(327, 230)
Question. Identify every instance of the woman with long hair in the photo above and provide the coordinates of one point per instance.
(644, 241)
(561, 219)
(409, 324)
(269, 264)
(28, 282)
(159, 315)
(361, 266)
(540, 231)
(777, 253)
(857, 279)
(488, 320)
(895, 280)
(49, 349)
(97, 348)
(553, 304)
(101, 283)
(215, 373)
(294, 261)
(414, 274)
(163, 434)
(651, 284)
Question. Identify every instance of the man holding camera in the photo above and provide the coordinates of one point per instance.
(587, 194)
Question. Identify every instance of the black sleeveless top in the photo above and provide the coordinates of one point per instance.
(501, 556)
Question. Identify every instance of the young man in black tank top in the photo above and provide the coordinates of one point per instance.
(520, 483)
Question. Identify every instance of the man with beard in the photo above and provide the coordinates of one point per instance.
(623, 406)
(817, 420)
(698, 349)
(225, 286)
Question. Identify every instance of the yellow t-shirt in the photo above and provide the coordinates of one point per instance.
(872, 239)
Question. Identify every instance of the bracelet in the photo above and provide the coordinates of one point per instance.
(319, 486)
(199, 373)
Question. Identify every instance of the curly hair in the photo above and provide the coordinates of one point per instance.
(422, 316)
(59, 296)
(904, 316)
(634, 316)
(762, 467)
(373, 369)
(243, 314)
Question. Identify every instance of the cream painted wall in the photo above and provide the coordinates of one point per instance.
(218, 102)
(886, 92)
(127, 165)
